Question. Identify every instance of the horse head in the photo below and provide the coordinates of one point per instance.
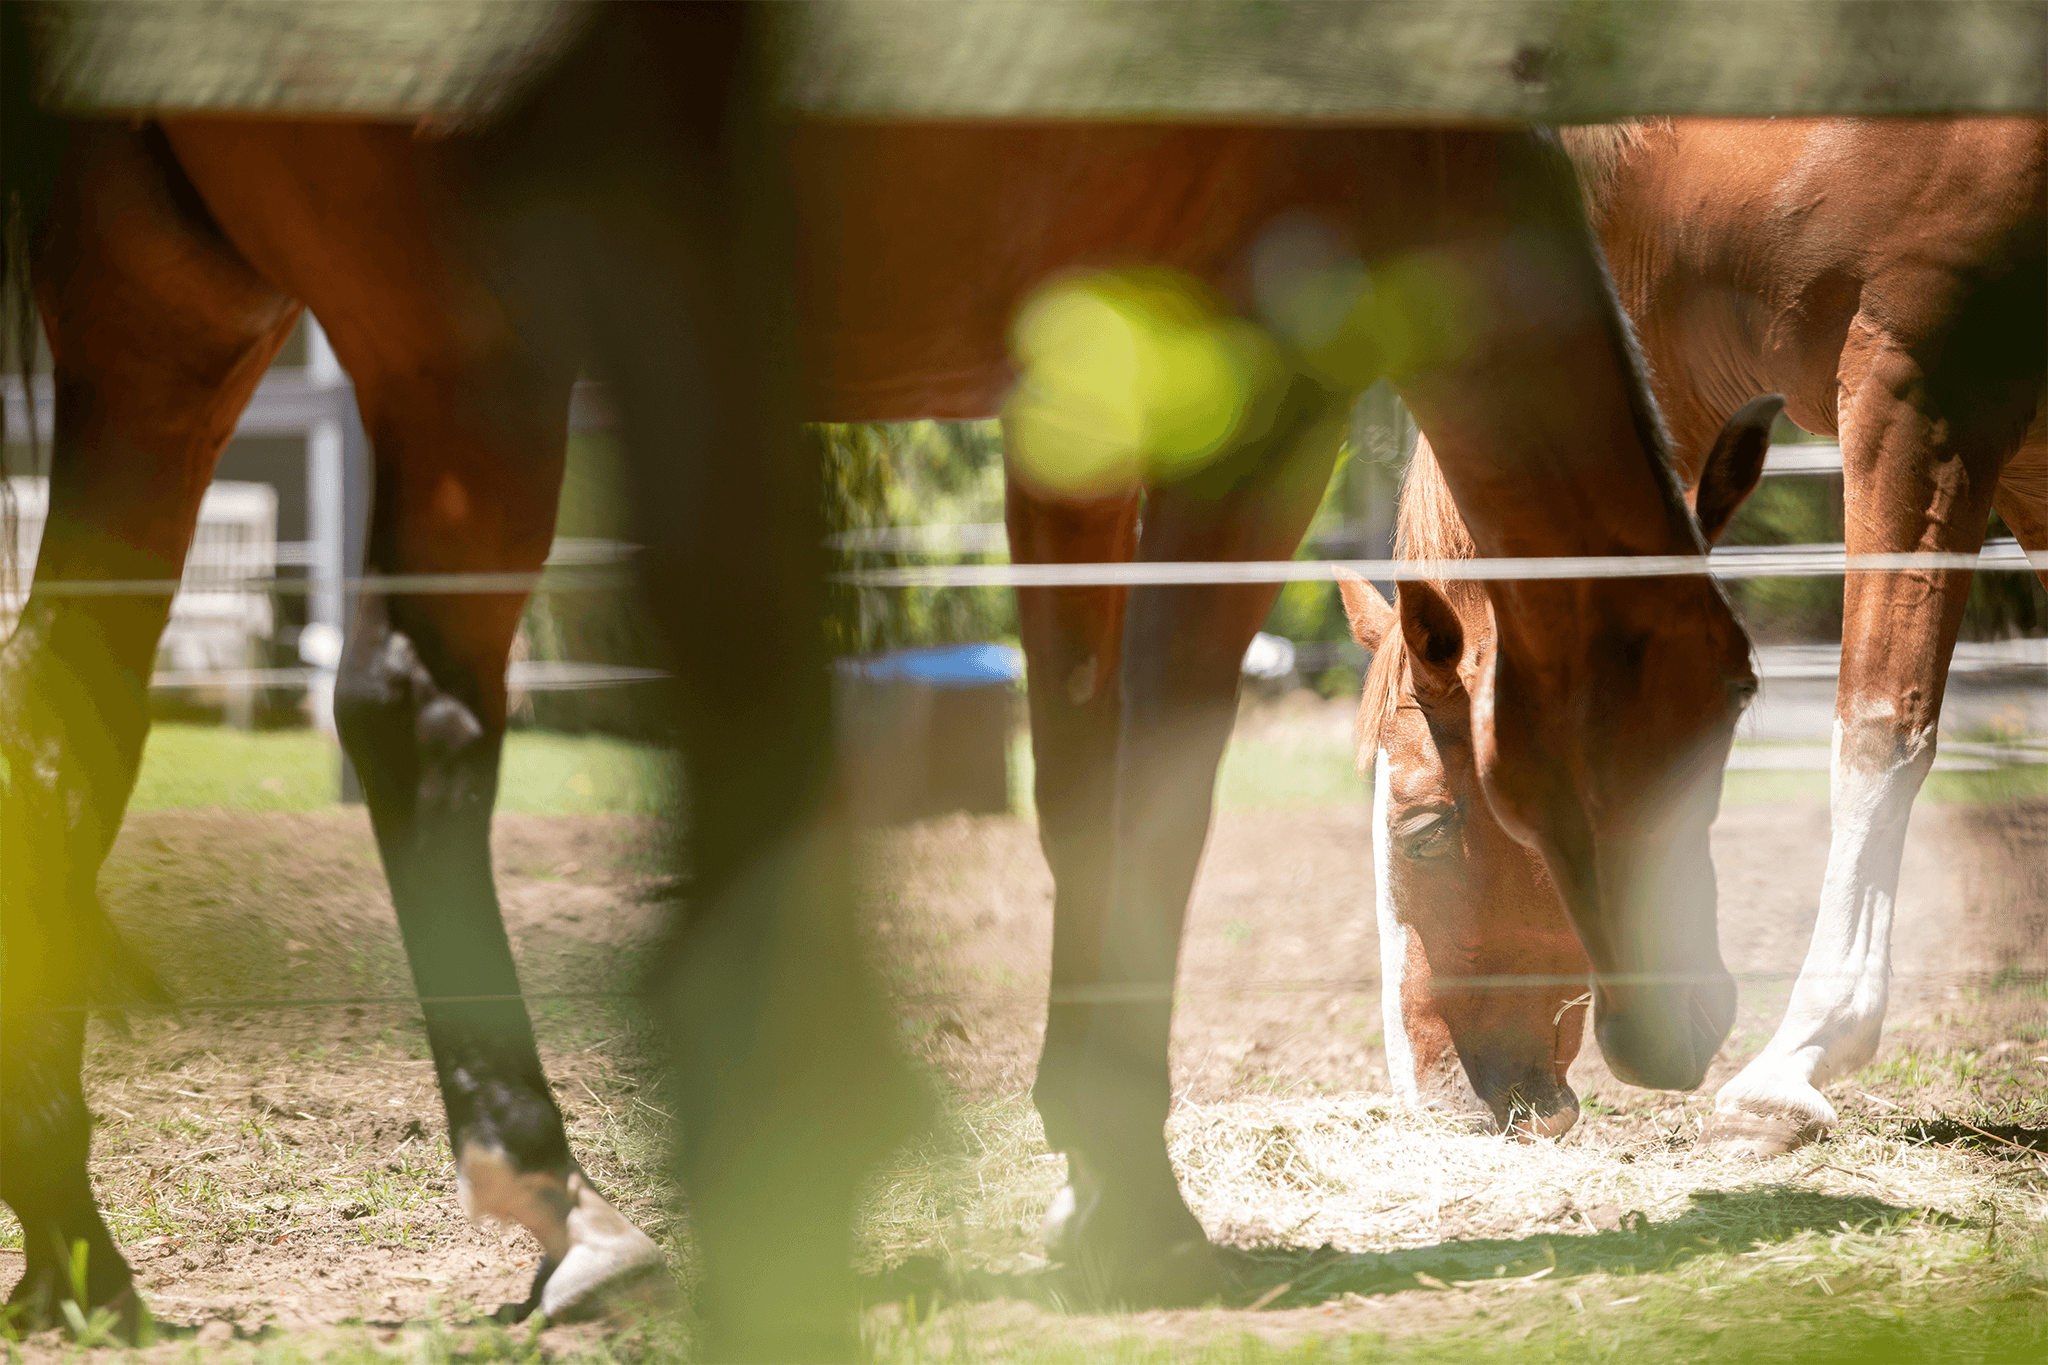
(1481, 836)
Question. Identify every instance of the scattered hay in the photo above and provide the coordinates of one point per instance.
(1362, 1231)
(1358, 1174)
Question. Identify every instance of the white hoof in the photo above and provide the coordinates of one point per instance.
(593, 1248)
(609, 1260)
(1768, 1110)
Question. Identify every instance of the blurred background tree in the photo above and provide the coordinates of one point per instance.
(908, 493)
(1806, 509)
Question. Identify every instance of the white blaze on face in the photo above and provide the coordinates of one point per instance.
(1394, 955)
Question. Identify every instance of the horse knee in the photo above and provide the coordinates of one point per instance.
(410, 734)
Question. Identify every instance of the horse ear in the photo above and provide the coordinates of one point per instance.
(1372, 620)
(1434, 635)
(1735, 464)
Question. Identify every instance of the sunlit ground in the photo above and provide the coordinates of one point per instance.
(283, 1182)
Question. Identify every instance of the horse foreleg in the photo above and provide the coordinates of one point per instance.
(1122, 1214)
(1905, 492)
(158, 335)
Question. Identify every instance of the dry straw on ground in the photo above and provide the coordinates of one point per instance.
(1359, 1174)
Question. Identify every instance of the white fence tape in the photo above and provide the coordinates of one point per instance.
(1763, 561)
(598, 572)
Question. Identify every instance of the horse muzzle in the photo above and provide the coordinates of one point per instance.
(1663, 1037)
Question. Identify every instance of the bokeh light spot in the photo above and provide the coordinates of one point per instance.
(1129, 376)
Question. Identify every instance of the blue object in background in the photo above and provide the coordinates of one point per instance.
(926, 732)
(942, 666)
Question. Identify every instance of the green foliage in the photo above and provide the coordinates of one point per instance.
(1803, 510)
(1807, 510)
(912, 474)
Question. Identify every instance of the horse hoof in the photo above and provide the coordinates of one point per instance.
(35, 1307)
(1185, 1274)
(1737, 1133)
(511, 1313)
(132, 1323)
(1119, 1261)
(597, 1278)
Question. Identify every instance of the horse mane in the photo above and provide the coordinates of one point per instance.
(1426, 526)
(1598, 152)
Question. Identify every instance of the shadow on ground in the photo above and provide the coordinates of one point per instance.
(1718, 1223)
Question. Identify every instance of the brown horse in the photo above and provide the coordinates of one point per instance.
(1887, 276)
(1132, 692)
(1482, 980)
(176, 255)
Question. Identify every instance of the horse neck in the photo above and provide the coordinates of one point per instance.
(1703, 362)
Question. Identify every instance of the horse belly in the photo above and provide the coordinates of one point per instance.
(920, 242)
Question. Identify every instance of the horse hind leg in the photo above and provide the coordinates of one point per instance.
(468, 430)
(1123, 1217)
(158, 333)
(420, 704)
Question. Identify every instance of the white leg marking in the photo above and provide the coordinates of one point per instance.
(591, 1243)
(1837, 1011)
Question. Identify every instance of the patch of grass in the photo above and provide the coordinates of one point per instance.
(1826, 1298)
(202, 766)
(546, 774)
(1773, 786)
(1259, 772)
(187, 766)
(1996, 786)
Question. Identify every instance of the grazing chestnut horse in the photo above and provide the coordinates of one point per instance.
(1482, 979)
(174, 259)
(1887, 276)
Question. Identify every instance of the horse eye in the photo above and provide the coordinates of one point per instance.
(1429, 834)
(1743, 691)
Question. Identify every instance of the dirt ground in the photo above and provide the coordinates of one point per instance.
(1279, 974)
(285, 1170)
